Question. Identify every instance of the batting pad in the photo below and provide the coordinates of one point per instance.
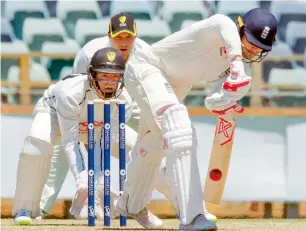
(141, 171)
(180, 148)
(31, 177)
(58, 171)
(161, 183)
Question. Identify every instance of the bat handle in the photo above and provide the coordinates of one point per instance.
(236, 108)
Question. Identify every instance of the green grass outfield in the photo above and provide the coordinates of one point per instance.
(170, 224)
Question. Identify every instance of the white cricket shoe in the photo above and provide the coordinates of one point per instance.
(145, 218)
(211, 217)
(148, 219)
(199, 223)
(23, 217)
(208, 215)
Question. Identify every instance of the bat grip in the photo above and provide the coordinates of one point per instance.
(236, 108)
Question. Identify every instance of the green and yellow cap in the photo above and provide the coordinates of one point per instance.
(122, 23)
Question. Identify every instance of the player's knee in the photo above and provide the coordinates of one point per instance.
(176, 117)
(177, 131)
(161, 111)
(36, 147)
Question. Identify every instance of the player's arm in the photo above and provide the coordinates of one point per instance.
(68, 117)
(81, 63)
(227, 91)
(238, 83)
(229, 33)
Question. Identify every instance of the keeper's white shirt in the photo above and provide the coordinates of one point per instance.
(67, 101)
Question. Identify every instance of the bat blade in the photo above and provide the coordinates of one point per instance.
(219, 158)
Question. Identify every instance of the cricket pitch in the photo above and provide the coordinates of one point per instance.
(169, 224)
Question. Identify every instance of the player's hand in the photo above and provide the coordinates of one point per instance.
(79, 206)
(217, 102)
(237, 85)
(221, 106)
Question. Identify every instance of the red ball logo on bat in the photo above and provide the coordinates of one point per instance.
(215, 174)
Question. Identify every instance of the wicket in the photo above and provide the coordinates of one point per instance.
(107, 158)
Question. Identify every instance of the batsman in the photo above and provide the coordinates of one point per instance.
(158, 78)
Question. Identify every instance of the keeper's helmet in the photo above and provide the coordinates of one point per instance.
(110, 62)
(259, 27)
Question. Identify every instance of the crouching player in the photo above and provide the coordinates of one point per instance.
(58, 116)
(123, 38)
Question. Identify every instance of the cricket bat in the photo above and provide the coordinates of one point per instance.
(219, 158)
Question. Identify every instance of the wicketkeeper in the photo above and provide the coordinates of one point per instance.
(60, 120)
